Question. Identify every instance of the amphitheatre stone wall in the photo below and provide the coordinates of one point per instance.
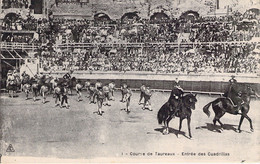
(144, 8)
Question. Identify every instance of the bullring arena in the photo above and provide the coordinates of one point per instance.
(79, 133)
(196, 46)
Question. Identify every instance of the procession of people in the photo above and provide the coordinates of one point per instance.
(98, 93)
(102, 94)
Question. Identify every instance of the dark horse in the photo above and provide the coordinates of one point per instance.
(223, 105)
(41, 85)
(165, 114)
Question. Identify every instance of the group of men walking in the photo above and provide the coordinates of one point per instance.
(102, 94)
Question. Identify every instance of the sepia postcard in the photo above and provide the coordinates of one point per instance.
(130, 81)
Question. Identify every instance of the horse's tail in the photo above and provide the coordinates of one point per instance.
(206, 109)
(160, 117)
(161, 114)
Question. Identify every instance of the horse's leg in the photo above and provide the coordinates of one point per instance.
(240, 123)
(188, 122)
(165, 127)
(219, 112)
(180, 126)
(250, 122)
(167, 123)
(217, 118)
(221, 124)
(214, 121)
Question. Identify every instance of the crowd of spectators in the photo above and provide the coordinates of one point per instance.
(209, 59)
(19, 38)
(15, 4)
(214, 57)
(137, 30)
(18, 23)
(28, 30)
(207, 29)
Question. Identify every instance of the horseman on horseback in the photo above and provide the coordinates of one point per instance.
(175, 97)
(233, 94)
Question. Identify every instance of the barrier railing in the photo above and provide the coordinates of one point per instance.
(149, 44)
(195, 83)
(27, 46)
(15, 46)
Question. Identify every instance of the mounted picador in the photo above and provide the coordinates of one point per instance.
(175, 97)
(236, 101)
(233, 94)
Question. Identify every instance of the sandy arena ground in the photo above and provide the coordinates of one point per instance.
(43, 130)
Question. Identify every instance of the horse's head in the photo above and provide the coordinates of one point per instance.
(190, 101)
(249, 90)
(247, 93)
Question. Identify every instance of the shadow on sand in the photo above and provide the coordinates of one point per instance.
(171, 130)
(218, 128)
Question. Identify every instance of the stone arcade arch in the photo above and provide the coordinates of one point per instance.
(101, 17)
(158, 17)
(129, 16)
(190, 15)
